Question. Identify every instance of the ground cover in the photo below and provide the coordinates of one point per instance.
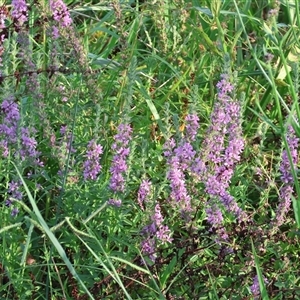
(149, 149)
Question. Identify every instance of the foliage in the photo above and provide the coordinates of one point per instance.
(149, 149)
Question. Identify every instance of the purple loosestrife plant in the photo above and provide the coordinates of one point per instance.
(14, 194)
(148, 247)
(179, 160)
(192, 126)
(121, 151)
(143, 193)
(155, 232)
(286, 189)
(16, 142)
(15, 138)
(9, 126)
(254, 288)
(222, 149)
(285, 167)
(3, 17)
(179, 193)
(91, 167)
(19, 11)
(115, 202)
(60, 13)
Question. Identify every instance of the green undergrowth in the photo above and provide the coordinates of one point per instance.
(147, 64)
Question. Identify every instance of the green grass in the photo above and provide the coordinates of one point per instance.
(148, 64)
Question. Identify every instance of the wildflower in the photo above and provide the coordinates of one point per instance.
(168, 147)
(179, 193)
(119, 165)
(115, 202)
(254, 288)
(91, 165)
(222, 149)
(143, 192)
(3, 16)
(19, 11)
(164, 234)
(148, 248)
(285, 167)
(4, 148)
(14, 211)
(274, 11)
(198, 169)
(15, 137)
(28, 144)
(184, 153)
(286, 191)
(63, 130)
(192, 126)
(180, 160)
(14, 194)
(225, 120)
(155, 229)
(60, 13)
(55, 32)
(214, 215)
(157, 217)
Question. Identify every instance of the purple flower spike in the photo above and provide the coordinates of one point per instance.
(14, 193)
(115, 202)
(192, 126)
(91, 165)
(148, 248)
(15, 138)
(286, 191)
(255, 290)
(119, 165)
(155, 229)
(60, 13)
(143, 192)
(14, 211)
(285, 167)
(181, 160)
(222, 149)
(19, 11)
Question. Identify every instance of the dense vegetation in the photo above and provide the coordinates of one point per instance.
(149, 150)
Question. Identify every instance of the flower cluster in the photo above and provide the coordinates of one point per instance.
(192, 126)
(180, 160)
(179, 193)
(157, 230)
(14, 194)
(3, 17)
(225, 122)
(114, 202)
(92, 166)
(285, 167)
(254, 288)
(19, 11)
(14, 137)
(143, 192)
(60, 13)
(286, 191)
(222, 149)
(119, 165)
